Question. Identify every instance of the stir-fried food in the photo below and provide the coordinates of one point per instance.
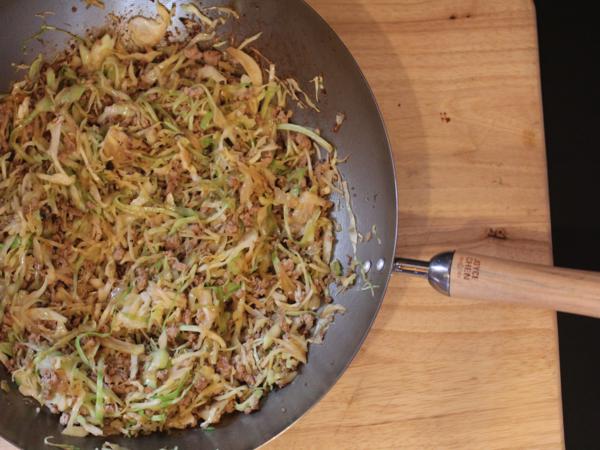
(166, 249)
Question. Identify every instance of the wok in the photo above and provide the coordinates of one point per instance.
(303, 46)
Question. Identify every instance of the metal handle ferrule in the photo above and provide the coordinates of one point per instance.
(437, 270)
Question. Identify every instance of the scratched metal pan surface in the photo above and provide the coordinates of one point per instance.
(302, 45)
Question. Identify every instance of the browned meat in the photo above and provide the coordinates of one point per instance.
(303, 141)
(223, 366)
(88, 343)
(194, 91)
(117, 373)
(322, 170)
(141, 280)
(231, 227)
(52, 381)
(174, 177)
(248, 218)
(201, 384)
(192, 53)
(282, 115)
(307, 320)
(162, 375)
(283, 324)
(212, 57)
(195, 228)
(266, 159)
(230, 407)
(172, 242)
(35, 338)
(242, 374)
(234, 183)
(259, 285)
(288, 265)
(178, 265)
(187, 400)
(193, 339)
(172, 332)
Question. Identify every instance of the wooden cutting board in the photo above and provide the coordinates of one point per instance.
(458, 84)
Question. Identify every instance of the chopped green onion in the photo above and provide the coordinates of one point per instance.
(99, 410)
(205, 122)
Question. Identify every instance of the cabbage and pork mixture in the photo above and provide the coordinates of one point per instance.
(166, 247)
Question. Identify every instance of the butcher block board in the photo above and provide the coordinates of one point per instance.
(458, 85)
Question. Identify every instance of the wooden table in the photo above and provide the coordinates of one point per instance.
(458, 84)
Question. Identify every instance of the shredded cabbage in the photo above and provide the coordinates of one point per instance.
(145, 32)
(166, 240)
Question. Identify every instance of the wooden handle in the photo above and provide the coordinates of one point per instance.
(487, 278)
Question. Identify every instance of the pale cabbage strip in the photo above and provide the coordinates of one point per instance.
(166, 243)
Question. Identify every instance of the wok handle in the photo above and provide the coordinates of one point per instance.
(467, 275)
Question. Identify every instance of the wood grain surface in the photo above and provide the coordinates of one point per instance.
(479, 277)
(458, 84)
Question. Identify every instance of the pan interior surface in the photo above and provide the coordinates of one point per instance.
(302, 46)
